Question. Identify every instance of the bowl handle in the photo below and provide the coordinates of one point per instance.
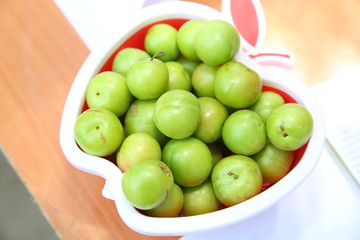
(112, 176)
(107, 191)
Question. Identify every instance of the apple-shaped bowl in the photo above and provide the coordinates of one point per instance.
(132, 35)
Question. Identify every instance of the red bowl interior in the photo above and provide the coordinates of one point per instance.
(137, 41)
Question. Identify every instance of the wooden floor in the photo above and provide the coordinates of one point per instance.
(40, 55)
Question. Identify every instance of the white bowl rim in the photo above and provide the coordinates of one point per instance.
(112, 175)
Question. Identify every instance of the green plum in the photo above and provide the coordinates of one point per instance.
(235, 179)
(126, 57)
(189, 159)
(236, 85)
(98, 132)
(188, 64)
(203, 79)
(266, 104)
(177, 113)
(171, 207)
(178, 77)
(162, 37)
(216, 42)
(244, 132)
(109, 90)
(200, 199)
(136, 148)
(290, 126)
(148, 78)
(148, 184)
(213, 116)
(140, 118)
(186, 36)
(274, 163)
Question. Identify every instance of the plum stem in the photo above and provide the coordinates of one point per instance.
(233, 174)
(161, 53)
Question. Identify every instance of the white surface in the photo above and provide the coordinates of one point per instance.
(325, 206)
(95, 20)
(340, 98)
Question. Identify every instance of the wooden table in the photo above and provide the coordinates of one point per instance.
(40, 54)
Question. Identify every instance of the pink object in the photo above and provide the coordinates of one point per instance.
(248, 17)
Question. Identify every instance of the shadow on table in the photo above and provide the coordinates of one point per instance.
(20, 216)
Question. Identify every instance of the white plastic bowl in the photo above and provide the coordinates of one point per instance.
(98, 60)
